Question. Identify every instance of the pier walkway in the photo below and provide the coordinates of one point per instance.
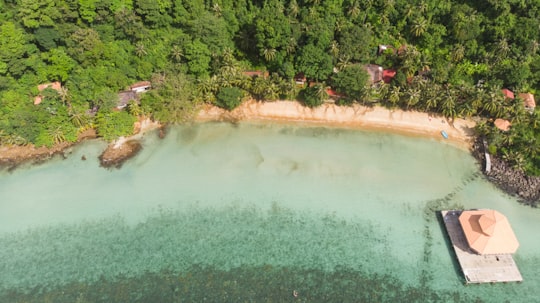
(478, 268)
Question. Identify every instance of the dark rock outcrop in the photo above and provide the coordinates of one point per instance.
(114, 157)
(513, 181)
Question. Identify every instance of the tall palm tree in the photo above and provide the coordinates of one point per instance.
(140, 49)
(291, 46)
(448, 106)
(57, 135)
(458, 53)
(354, 9)
(334, 48)
(217, 9)
(493, 101)
(394, 95)
(413, 96)
(64, 95)
(78, 119)
(269, 54)
(176, 53)
(294, 8)
(419, 27)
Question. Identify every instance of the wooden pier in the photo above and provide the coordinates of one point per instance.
(478, 268)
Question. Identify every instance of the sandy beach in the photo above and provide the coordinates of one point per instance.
(460, 131)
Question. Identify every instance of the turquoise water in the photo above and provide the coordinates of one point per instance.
(251, 212)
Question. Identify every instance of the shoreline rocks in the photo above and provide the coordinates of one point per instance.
(15, 156)
(510, 180)
(117, 154)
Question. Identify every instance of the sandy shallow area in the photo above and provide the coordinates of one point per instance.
(460, 131)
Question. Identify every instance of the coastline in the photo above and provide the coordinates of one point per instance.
(460, 131)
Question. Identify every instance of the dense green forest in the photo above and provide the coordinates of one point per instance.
(450, 57)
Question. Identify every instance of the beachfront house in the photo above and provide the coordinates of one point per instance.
(375, 72)
(300, 79)
(141, 87)
(488, 232)
(57, 86)
(124, 97)
(528, 101)
(502, 124)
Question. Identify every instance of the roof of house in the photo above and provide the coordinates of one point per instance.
(140, 84)
(57, 86)
(332, 93)
(54, 85)
(502, 124)
(375, 72)
(124, 98)
(508, 93)
(388, 75)
(488, 232)
(255, 73)
(528, 100)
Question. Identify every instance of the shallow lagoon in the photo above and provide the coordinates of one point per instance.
(251, 212)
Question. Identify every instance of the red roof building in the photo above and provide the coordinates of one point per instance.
(508, 93)
(488, 232)
(388, 75)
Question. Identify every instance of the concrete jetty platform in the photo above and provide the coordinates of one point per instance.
(478, 268)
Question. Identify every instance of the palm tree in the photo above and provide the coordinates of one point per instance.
(413, 96)
(134, 108)
(448, 106)
(493, 102)
(79, 119)
(57, 134)
(354, 9)
(269, 54)
(419, 27)
(217, 10)
(321, 92)
(334, 48)
(458, 53)
(176, 53)
(64, 95)
(394, 96)
(343, 62)
(140, 49)
(503, 48)
(294, 9)
(466, 110)
(291, 46)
